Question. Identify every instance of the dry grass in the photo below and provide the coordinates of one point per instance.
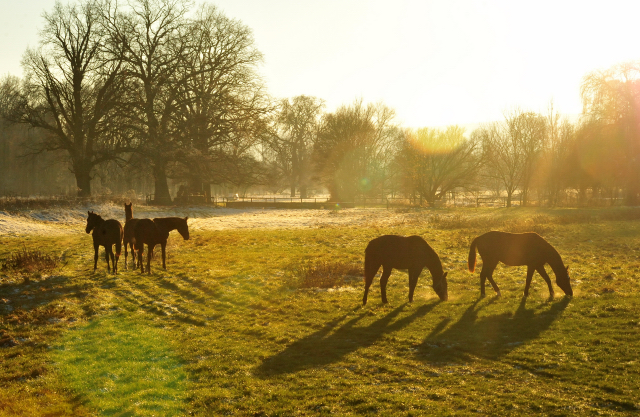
(325, 274)
(30, 263)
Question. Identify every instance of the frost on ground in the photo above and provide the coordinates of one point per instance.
(65, 221)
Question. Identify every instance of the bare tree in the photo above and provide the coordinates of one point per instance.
(354, 150)
(511, 150)
(529, 131)
(71, 91)
(292, 138)
(222, 100)
(150, 37)
(436, 161)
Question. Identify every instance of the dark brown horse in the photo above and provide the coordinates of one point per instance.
(129, 228)
(105, 233)
(515, 249)
(412, 253)
(156, 232)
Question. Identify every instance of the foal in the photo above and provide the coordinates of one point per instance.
(156, 232)
(105, 233)
(515, 249)
(412, 253)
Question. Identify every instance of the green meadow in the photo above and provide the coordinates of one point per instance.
(270, 323)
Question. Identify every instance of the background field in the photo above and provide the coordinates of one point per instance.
(238, 326)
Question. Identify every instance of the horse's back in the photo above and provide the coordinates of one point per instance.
(397, 251)
(109, 233)
(129, 229)
(145, 231)
(514, 249)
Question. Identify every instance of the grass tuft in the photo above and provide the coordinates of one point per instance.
(325, 274)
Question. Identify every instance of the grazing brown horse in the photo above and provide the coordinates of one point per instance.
(515, 249)
(129, 228)
(105, 233)
(156, 232)
(412, 253)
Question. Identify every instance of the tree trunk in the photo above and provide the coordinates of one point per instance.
(303, 191)
(509, 198)
(83, 182)
(161, 189)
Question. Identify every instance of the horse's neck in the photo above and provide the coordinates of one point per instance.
(99, 222)
(555, 261)
(433, 263)
(166, 225)
(128, 215)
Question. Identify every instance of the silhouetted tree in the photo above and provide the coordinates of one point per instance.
(71, 91)
(292, 137)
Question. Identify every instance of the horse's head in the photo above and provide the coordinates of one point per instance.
(562, 279)
(440, 287)
(128, 211)
(183, 229)
(91, 221)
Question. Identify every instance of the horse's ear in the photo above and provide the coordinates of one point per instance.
(186, 218)
(444, 275)
(567, 269)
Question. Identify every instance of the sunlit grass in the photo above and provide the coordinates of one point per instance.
(122, 365)
(229, 326)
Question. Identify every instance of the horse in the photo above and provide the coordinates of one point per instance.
(105, 233)
(154, 232)
(516, 249)
(129, 228)
(412, 253)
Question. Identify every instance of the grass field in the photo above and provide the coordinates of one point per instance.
(237, 325)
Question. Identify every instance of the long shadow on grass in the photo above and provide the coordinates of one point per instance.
(24, 297)
(489, 337)
(330, 344)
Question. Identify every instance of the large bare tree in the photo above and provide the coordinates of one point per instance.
(150, 37)
(222, 101)
(71, 90)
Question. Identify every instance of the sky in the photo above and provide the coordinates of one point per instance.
(436, 63)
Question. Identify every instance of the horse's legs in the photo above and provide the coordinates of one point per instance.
(163, 246)
(386, 272)
(96, 247)
(125, 255)
(530, 271)
(544, 275)
(369, 274)
(108, 252)
(140, 253)
(149, 253)
(487, 273)
(413, 281)
(133, 255)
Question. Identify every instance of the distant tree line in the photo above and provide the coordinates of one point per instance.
(127, 97)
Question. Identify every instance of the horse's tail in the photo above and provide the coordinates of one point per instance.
(472, 256)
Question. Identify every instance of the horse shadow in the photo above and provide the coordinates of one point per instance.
(489, 337)
(332, 343)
